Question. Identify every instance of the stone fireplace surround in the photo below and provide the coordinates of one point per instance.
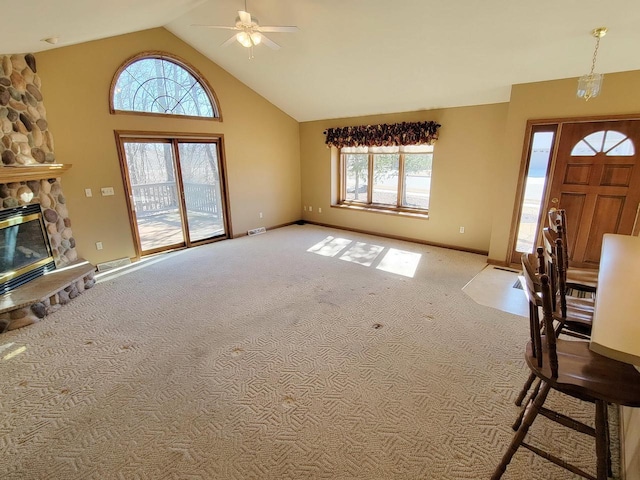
(29, 174)
(30, 303)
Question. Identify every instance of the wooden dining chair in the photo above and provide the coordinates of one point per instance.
(575, 315)
(571, 319)
(549, 240)
(584, 279)
(571, 368)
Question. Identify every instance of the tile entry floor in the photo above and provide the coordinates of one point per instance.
(493, 287)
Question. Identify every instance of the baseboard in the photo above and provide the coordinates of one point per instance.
(245, 234)
(398, 237)
(111, 264)
(499, 263)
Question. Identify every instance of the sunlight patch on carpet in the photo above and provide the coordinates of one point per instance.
(400, 262)
(392, 260)
(330, 246)
(362, 253)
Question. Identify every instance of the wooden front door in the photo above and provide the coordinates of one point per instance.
(596, 179)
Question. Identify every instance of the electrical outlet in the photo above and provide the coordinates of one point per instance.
(88, 192)
(319, 210)
(106, 191)
(98, 245)
(260, 214)
(304, 208)
(310, 208)
(461, 229)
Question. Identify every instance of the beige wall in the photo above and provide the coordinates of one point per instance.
(476, 163)
(261, 142)
(464, 159)
(546, 100)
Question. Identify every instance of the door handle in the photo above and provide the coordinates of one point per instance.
(554, 200)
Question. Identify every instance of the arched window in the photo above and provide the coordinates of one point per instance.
(160, 84)
(610, 142)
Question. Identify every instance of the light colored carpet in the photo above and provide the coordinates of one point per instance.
(257, 359)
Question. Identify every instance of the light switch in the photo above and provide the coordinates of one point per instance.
(87, 192)
(107, 191)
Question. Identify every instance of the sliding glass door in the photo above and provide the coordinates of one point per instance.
(200, 171)
(175, 191)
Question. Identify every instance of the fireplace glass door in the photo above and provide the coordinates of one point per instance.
(175, 190)
(25, 253)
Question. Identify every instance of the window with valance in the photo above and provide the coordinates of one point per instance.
(386, 167)
(384, 135)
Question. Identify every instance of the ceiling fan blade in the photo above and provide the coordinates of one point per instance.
(273, 28)
(245, 17)
(229, 42)
(223, 27)
(270, 43)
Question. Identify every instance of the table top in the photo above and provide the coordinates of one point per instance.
(616, 322)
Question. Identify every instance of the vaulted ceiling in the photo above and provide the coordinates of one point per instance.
(361, 57)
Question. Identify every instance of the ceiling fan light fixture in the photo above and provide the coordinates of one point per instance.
(244, 39)
(256, 38)
(590, 85)
(249, 33)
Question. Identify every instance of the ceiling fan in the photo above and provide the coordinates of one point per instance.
(250, 32)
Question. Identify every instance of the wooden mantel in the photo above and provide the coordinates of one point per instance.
(23, 173)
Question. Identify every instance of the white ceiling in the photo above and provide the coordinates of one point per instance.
(360, 57)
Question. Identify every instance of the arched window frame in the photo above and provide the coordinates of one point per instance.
(211, 95)
(595, 149)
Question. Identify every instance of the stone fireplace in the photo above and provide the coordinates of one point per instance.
(30, 180)
(32, 301)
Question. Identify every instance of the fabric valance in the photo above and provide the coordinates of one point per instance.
(385, 135)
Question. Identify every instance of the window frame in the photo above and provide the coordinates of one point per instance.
(369, 204)
(181, 63)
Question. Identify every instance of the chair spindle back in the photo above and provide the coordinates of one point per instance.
(549, 236)
(532, 291)
(549, 332)
(561, 276)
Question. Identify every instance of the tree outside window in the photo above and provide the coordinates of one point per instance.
(392, 178)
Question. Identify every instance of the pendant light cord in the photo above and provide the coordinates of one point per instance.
(595, 54)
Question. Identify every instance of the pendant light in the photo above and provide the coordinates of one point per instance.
(589, 85)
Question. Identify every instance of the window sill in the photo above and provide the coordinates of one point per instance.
(383, 210)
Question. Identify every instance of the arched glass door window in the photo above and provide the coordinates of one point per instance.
(610, 142)
(160, 84)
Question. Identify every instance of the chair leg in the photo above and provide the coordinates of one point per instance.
(609, 464)
(525, 389)
(530, 416)
(602, 447)
(523, 410)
